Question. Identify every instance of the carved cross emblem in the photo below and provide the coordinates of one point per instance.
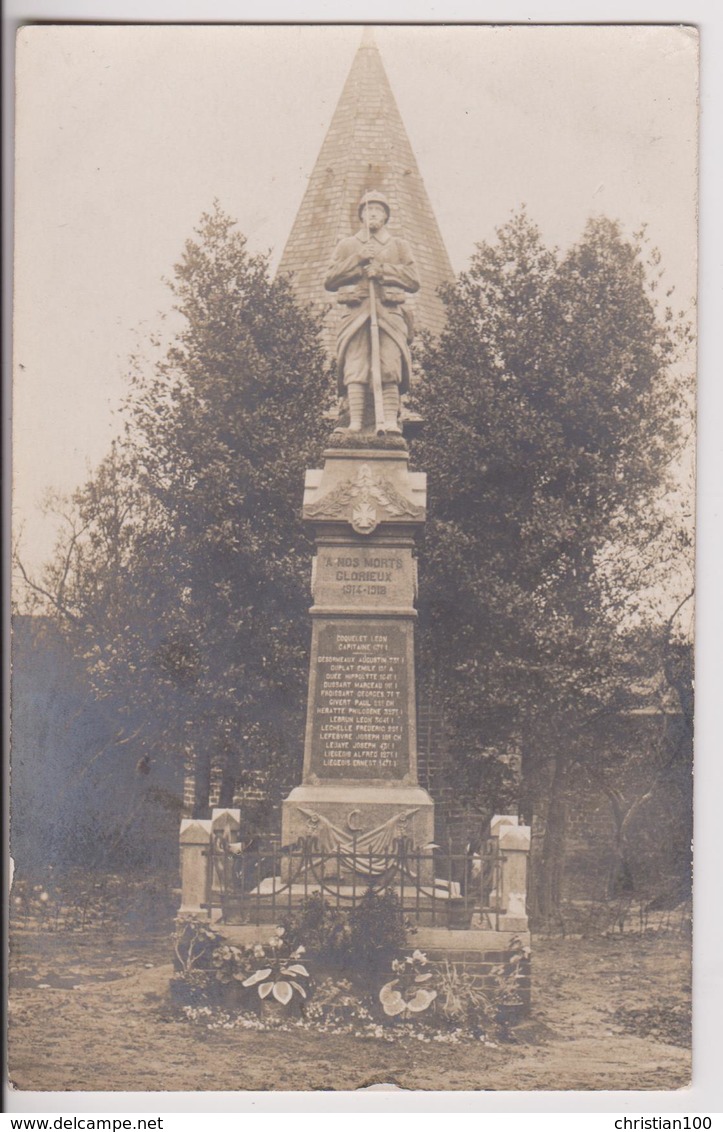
(364, 518)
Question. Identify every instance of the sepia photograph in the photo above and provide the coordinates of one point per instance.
(353, 532)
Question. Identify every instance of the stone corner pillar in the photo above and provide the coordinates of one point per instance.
(226, 822)
(514, 847)
(195, 844)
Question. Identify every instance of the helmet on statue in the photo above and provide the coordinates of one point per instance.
(373, 196)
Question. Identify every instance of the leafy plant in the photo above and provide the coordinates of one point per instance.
(280, 976)
(230, 963)
(509, 975)
(362, 941)
(461, 998)
(406, 995)
(193, 988)
(325, 931)
(377, 931)
(194, 944)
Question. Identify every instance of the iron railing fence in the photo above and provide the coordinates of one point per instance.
(436, 887)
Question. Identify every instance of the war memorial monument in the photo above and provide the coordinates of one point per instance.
(366, 251)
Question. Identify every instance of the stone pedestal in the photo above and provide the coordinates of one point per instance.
(360, 785)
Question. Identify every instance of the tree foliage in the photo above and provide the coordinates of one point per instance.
(183, 571)
(553, 419)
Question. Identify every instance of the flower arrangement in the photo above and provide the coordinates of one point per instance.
(265, 985)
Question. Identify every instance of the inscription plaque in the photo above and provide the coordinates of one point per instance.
(360, 702)
(353, 576)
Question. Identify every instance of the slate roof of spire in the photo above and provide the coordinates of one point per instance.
(366, 147)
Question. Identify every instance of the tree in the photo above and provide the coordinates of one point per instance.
(182, 575)
(649, 775)
(553, 419)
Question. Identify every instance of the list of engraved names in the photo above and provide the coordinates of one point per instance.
(359, 727)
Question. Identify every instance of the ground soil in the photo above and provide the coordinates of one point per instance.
(91, 1013)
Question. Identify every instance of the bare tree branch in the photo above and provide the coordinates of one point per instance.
(52, 598)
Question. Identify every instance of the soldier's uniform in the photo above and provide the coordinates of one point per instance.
(347, 277)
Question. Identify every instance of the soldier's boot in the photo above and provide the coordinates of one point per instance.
(390, 396)
(356, 394)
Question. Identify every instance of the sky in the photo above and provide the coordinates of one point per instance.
(125, 135)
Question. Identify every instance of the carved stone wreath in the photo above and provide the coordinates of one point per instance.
(366, 501)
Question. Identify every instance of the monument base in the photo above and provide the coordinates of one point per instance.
(370, 817)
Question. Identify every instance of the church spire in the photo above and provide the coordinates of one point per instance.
(366, 147)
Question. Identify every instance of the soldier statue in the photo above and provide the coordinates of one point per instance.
(372, 271)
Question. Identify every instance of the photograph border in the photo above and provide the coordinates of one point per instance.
(705, 1093)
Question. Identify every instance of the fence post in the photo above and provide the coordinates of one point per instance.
(195, 845)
